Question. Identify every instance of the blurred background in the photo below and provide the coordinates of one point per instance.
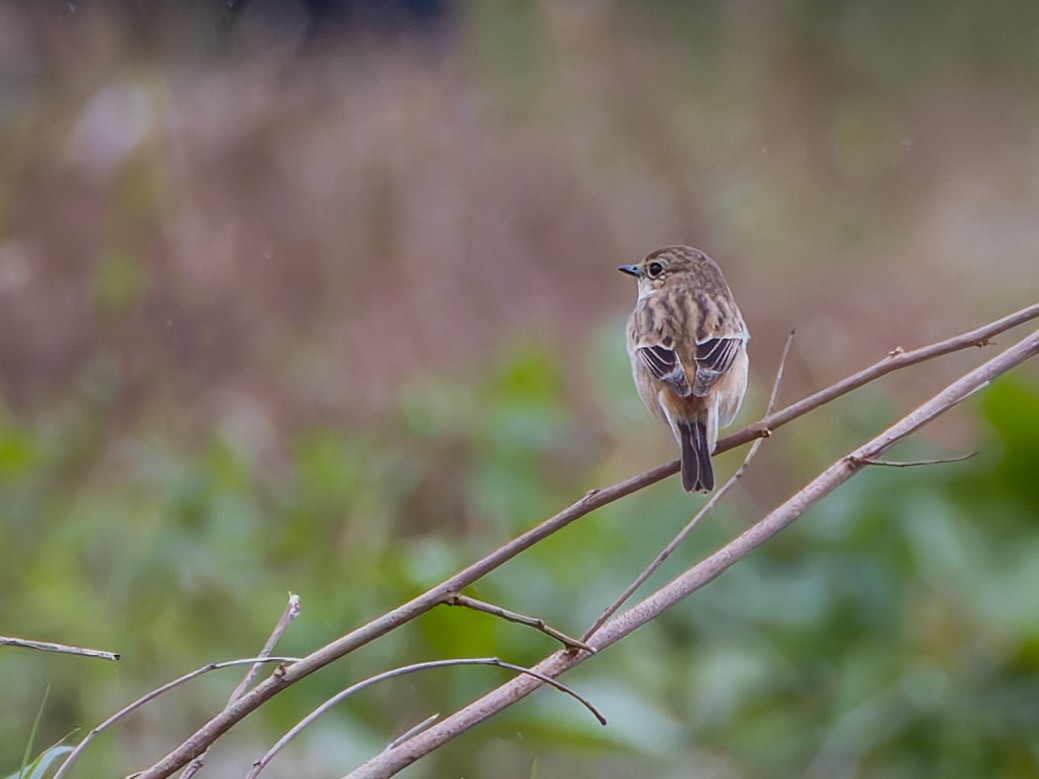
(322, 297)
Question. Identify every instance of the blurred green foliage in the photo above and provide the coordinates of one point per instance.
(890, 632)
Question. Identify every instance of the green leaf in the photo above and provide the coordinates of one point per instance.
(38, 768)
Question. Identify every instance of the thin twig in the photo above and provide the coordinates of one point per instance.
(673, 544)
(260, 764)
(387, 764)
(292, 609)
(152, 695)
(913, 463)
(413, 730)
(774, 395)
(65, 649)
(614, 607)
(457, 599)
(267, 689)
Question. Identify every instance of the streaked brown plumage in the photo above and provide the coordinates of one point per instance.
(688, 347)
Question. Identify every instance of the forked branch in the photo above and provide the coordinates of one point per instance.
(342, 695)
(291, 611)
(152, 695)
(457, 599)
(673, 544)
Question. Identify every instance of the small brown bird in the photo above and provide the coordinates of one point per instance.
(688, 347)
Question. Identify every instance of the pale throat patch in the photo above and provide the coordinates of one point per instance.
(646, 289)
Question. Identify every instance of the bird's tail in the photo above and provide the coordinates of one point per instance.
(697, 473)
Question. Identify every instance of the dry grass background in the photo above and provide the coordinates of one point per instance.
(305, 225)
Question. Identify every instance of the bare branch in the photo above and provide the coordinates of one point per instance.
(222, 722)
(614, 607)
(896, 359)
(65, 649)
(913, 463)
(152, 695)
(457, 599)
(387, 764)
(292, 609)
(673, 544)
(260, 764)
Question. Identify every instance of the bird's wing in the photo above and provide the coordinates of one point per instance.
(664, 364)
(714, 356)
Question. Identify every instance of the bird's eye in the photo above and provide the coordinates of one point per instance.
(654, 269)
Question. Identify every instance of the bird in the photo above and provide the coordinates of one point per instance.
(688, 347)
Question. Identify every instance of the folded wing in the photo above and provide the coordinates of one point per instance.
(664, 364)
(714, 357)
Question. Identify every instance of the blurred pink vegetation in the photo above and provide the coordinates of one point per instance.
(302, 229)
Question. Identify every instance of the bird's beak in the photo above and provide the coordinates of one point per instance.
(632, 270)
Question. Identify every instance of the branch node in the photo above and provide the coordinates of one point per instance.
(896, 352)
(412, 731)
(910, 463)
(571, 644)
